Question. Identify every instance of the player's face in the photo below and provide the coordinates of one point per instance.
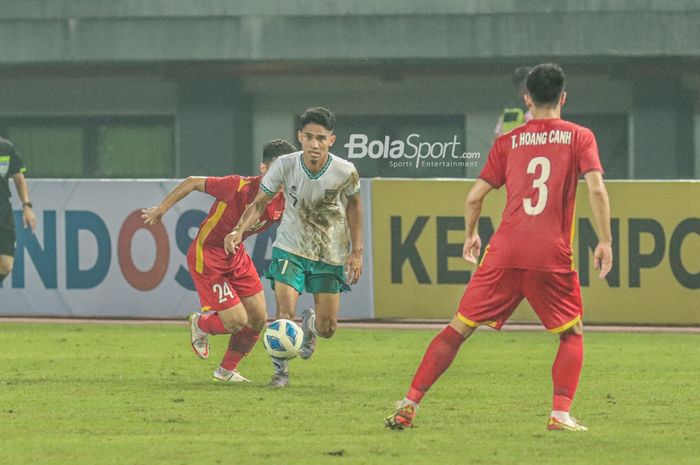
(315, 141)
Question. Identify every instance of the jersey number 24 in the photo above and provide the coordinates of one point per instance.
(224, 292)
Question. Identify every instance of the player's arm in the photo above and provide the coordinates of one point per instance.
(353, 264)
(600, 206)
(472, 211)
(28, 217)
(153, 215)
(250, 216)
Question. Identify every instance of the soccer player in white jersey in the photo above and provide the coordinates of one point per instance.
(319, 241)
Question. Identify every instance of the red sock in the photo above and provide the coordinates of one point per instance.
(566, 370)
(239, 345)
(438, 357)
(211, 323)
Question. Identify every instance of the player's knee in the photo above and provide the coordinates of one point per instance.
(287, 313)
(233, 320)
(575, 330)
(326, 328)
(257, 321)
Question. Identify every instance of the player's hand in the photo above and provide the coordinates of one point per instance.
(151, 216)
(29, 218)
(232, 240)
(602, 257)
(353, 267)
(472, 248)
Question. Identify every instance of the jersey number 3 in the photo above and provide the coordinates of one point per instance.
(539, 184)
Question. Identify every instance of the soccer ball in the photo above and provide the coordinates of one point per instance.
(282, 339)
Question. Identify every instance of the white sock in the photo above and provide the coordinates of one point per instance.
(281, 365)
(562, 417)
(406, 402)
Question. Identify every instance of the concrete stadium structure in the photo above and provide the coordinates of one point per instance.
(204, 84)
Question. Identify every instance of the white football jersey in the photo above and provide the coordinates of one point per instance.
(314, 224)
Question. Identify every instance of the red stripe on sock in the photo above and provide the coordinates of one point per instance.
(566, 371)
(211, 323)
(438, 357)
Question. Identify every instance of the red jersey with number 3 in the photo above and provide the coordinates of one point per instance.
(540, 164)
(233, 194)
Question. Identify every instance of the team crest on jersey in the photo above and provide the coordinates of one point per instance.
(4, 165)
(330, 195)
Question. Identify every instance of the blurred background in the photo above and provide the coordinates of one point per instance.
(170, 88)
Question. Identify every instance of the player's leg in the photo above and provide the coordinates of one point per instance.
(245, 332)
(566, 372)
(286, 272)
(286, 298)
(287, 275)
(490, 298)
(216, 295)
(325, 282)
(245, 320)
(437, 359)
(325, 321)
(556, 298)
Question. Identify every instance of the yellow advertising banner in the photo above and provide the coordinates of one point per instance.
(418, 233)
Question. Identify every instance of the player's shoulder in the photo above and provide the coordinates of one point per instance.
(342, 164)
(571, 126)
(247, 183)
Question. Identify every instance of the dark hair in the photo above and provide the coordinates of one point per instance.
(545, 83)
(276, 148)
(318, 115)
(520, 75)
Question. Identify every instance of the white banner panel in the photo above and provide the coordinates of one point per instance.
(91, 255)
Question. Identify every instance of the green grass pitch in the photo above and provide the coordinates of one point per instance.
(130, 394)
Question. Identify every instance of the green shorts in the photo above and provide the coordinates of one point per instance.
(303, 274)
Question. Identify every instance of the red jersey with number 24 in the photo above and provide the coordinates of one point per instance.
(233, 194)
(540, 164)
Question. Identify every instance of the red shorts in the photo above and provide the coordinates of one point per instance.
(493, 293)
(224, 278)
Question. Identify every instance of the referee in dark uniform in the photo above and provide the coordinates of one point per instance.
(11, 166)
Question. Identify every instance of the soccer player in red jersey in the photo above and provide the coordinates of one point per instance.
(530, 255)
(228, 285)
